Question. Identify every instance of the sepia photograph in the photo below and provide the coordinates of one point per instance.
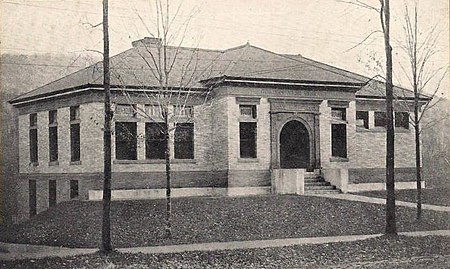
(225, 134)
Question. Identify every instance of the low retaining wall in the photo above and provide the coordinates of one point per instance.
(382, 186)
(136, 194)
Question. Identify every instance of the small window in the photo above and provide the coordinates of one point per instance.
(248, 111)
(75, 142)
(362, 119)
(402, 120)
(53, 117)
(126, 141)
(74, 113)
(33, 120)
(184, 141)
(51, 193)
(186, 111)
(380, 119)
(338, 113)
(339, 140)
(33, 146)
(155, 146)
(53, 143)
(74, 189)
(126, 110)
(247, 135)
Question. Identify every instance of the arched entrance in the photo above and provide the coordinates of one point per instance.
(294, 145)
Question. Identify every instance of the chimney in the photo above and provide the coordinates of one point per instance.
(147, 42)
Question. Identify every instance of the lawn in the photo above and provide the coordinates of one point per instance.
(141, 223)
(377, 253)
(429, 196)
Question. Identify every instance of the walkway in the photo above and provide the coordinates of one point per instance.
(17, 251)
(380, 201)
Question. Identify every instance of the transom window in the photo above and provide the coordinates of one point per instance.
(52, 117)
(338, 113)
(33, 120)
(248, 111)
(187, 111)
(362, 119)
(74, 113)
(126, 110)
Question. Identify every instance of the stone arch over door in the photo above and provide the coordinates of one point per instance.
(294, 145)
(306, 112)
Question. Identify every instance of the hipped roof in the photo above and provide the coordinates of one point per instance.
(135, 67)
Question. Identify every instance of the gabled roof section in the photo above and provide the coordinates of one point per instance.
(191, 67)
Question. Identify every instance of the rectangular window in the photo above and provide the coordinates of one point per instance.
(75, 142)
(380, 119)
(32, 197)
(184, 141)
(339, 140)
(126, 141)
(74, 113)
(248, 111)
(33, 120)
(247, 138)
(53, 143)
(402, 120)
(73, 189)
(126, 110)
(338, 113)
(155, 146)
(53, 117)
(51, 193)
(362, 119)
(33, 146)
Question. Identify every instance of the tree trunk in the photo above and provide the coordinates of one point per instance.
(418, 157)
(106, 221)
(168, 188)
(390, 179)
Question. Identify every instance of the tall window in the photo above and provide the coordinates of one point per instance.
(33, 139)
(74, 133)
(53, 135)
(380, 119)
(74, 189)
(155, 146)
(362, 119)
(126, 140)
(184, 141)
(247, 138)
(402, 120)
(339, 140)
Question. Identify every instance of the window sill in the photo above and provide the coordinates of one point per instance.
(183, 161)
(381, 130)
(338, 159)
(75, 163)
(53, 163)
(248, 160)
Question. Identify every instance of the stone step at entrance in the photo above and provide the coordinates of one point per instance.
(314, 183)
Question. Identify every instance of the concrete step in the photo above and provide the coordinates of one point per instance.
(316, 183)
(321, 191)
(318, 187)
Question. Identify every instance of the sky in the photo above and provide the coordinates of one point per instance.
(324, 30)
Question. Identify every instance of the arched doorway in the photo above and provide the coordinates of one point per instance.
(294, 145)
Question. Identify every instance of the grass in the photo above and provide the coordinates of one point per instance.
(141, 223)
(377, 253)
(429, 196)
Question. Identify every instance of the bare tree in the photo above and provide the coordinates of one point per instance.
(383, 12)
(168, 85)
(420, 53)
